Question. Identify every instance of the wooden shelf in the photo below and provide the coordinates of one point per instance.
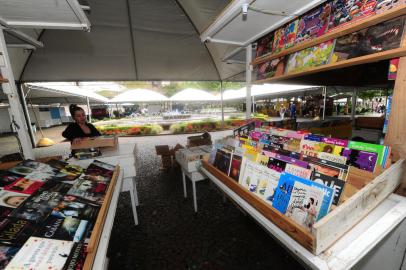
(341, 64)
(339, 32)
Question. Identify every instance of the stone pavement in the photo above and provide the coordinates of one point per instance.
(171, 236)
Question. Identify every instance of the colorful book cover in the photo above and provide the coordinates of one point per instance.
(88, 190)
(360, 159)
(272, 68)
(268, 179)
(346, 12)
(334, 141)
(250, 174)
(369, 147)
(282, 193)
(327, 167)
(298, 171)
(68, 229)
(304, 204)
(283, 152)
(262, 159)
(57, 164)
(292, 145)
(24, 186)
(6, 178)
(6, 254)
(278, 41)
(72, 206)
(332, 157)
(39, 206)
(294, 161)
(276, 164)
(393, 69)
(41, 253)
(11, 199)
(271, 186)
(235, 166)
(311, 148)
(40, 176)
(290, 34)
(314, 23)
(334, 183)
(15, 231)
(264, 45)
(310, 57)
(384, 5)
(377, 38)
(223, 161)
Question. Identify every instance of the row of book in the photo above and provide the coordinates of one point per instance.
(47, 213)
(300, 174)
(377, 38)
(328, 16)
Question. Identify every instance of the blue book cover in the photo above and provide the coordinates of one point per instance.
(284, 191)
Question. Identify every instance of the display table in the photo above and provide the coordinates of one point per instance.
(190, 169)
(125, 156)
(381, 234)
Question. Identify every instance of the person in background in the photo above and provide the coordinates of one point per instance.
(76, 131)
(293, 111)
(282, 112)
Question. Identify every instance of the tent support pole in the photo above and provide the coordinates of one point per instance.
(89, 110)
(26, 113)
(324, 101)
(222, 104)
(16, 111)
(248, 59)
(353, 105)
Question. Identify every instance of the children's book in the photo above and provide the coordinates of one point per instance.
(290, 34)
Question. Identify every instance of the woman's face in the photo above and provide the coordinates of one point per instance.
(79, 116)
(15, 200)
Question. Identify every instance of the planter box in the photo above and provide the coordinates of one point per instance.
(363, 192)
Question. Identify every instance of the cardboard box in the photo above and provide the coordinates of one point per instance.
(94, 142)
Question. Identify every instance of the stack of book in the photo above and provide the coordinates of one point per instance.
(47, 213)
(302, 175)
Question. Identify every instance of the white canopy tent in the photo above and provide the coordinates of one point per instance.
(139, 95)
(191, 94)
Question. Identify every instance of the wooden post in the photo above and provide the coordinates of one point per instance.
(396, 135)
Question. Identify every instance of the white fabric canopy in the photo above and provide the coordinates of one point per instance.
(48, 93)
(190, 94)
(266, 90)
(139, 95)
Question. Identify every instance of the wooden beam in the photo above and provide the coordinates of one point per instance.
(339, 32)
(371, 58)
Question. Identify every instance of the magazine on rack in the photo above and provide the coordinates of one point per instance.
(333, 182)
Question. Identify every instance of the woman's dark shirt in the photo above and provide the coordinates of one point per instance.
(74, 131)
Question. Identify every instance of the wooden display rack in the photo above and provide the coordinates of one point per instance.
(363, 192)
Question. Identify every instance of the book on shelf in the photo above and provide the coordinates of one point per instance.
(72, 206)
(42, 253)
(327, 167)
(290, 33)
(298, 171)
(313, 23)
(286, 185)
(15, 231)
(223, 160)
(278, 40)
(23, 185)
(360, 159)
(68, 229)
(332, 157)
(11, 199)
(89, 190)
(40, 204)
(235, 167)
(333, 182)
(264, 45)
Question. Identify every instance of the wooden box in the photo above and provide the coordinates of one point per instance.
(363, 192)
(93, 142)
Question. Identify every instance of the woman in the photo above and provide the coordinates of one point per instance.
(80, 129)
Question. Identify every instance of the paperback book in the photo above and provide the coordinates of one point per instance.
(314, 23)
(6, 254)
(298, 171)
(72, 206)
(235, 166)
(223, 160)
(15, 231)
(69, 229)
(6, 178)
(11, 199)
(24, 186)
(335, 183)
(272, 68)
(88, 190)
(310, 57)
(41, 253)
(278, 40)
(77, 257)
(360, 159)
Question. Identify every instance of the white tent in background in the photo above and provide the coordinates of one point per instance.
(191, 94)
(266, 90)
(139, 95)
(54, 92)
